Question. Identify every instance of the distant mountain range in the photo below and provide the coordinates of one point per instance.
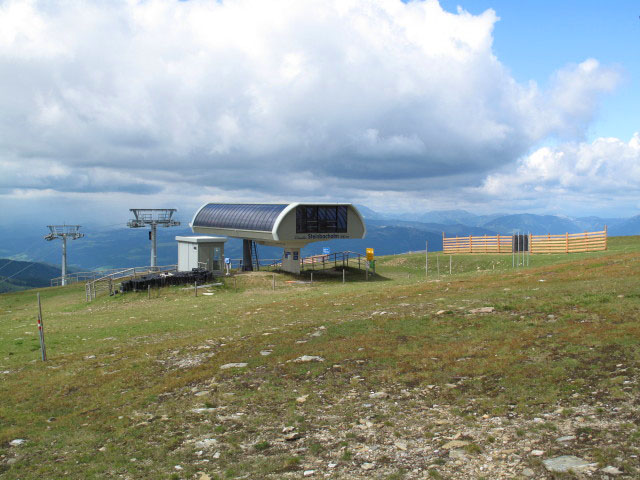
(125, 247)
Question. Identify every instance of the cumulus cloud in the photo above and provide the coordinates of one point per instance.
(282, 98)
(575, 176)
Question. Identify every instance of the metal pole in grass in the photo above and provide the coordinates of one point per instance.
(149, 291)
(43, 348)
(195, 288)
(450, 261)
(273, 286)
(311, 278)
(438, 263)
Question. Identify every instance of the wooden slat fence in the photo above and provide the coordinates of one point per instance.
(564, 243)
(569, 242)
(477, 244)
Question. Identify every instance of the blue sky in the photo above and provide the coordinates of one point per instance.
(535, 38)
(504, 106)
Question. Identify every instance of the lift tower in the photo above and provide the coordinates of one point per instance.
(64, 232)
(153, 217)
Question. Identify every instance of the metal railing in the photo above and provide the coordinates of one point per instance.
(321, 262)
(77, 277)
(107, 283)
(328, 260)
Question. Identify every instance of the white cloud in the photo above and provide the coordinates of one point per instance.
(574, 177)
(315, 98)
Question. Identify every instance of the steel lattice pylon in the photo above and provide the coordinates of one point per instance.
(63, 232)
(153, 217)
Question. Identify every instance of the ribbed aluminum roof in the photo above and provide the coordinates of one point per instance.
(241, 216)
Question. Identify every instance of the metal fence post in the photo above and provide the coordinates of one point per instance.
(43, 348)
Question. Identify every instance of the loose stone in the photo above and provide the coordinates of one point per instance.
(233, 365)
(566, 463)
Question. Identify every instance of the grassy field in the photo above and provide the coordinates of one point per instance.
(405, 380)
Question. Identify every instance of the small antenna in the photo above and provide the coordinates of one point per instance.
(152, 217)
(63, 232)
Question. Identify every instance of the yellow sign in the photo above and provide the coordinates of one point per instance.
(369, 253)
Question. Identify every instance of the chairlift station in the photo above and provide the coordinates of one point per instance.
(287, 225)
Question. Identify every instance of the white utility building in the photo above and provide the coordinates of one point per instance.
(201, 252)
(290, 226)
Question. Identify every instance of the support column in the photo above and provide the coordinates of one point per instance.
(154, 252)
(64, 260)
(247, 262)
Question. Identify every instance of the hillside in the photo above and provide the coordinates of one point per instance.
(16, 275)
(401, 377)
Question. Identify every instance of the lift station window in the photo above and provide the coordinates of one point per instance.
(319, 219)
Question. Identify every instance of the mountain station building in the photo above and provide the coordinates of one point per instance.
(287, 225)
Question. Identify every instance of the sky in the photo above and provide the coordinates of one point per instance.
(488, 106)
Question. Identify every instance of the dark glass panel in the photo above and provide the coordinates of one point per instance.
(341, 224)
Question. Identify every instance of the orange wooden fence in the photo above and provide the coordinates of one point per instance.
(477, 244)
(569, 242)
(564, 243)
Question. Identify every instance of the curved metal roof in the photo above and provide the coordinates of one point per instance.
(240, 216)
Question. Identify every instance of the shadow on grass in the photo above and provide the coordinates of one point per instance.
(334, 274)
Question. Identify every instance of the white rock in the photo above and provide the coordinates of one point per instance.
(206, 442)
(401, 445)
(332, 465)
(566, 463)
(568, 438)
(379, 395)
(308, 358)
(367, 466)
(537, 453)
(610, 470)
(178, 467)
(302, 399)
(308, 473)
(233, 365)
(17, 442)
(265, 353)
